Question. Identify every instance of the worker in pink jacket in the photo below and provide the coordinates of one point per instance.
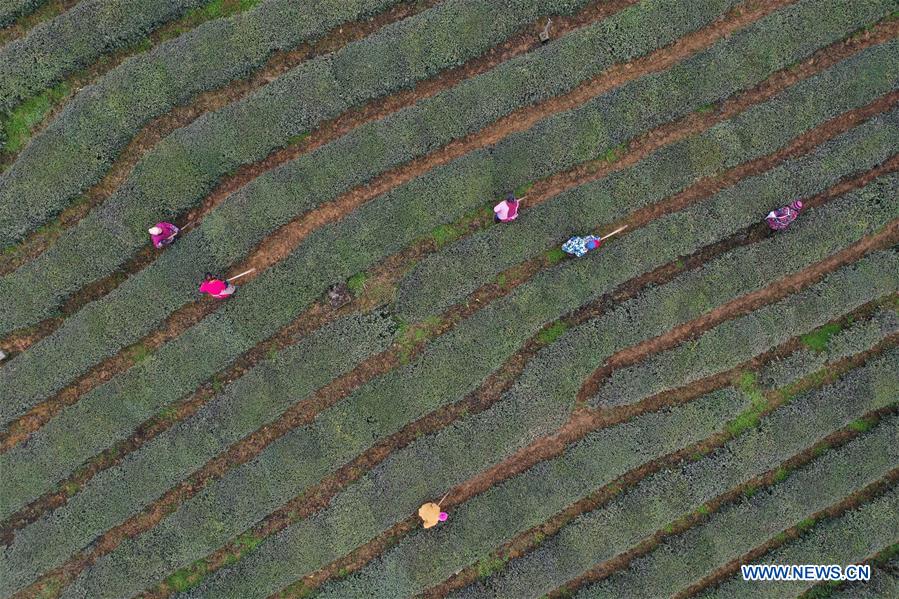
(216, 287)
(507, 210)
(162, 234)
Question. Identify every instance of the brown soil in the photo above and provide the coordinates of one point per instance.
(281, 243)
(489, 392)
(581, 423)
(485, 294)
(775, 399)
(181, 116)
(116, 543)
(282, 240)
(834, 511)
(738, 307)
(527, 541)
(25, 23)
(531, 539)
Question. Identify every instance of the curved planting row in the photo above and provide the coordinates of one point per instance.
(76, 38)
(737, 341)
(150, 457)
(664, 497)
(884, 583)
(14, 9)
(843, 343)
(443, 278)
(459, 187)
(47, 449)
(448, 457)
(737, 528)
(392, 492)
(381, 407)
(182, 169)
(849, 539)
(275, 198)
(81, 144)
(245, 405)
(734, 213)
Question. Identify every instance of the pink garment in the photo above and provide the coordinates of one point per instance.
(168, 230)
(216, 288)
(506, 211)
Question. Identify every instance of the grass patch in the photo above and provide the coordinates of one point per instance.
(555, 255)
(489, 565)
(706, 108)
(140, 352)
(410, 336)
(552, 332)
(819, 339)
(743, 422)
(861, 425)
(445, 234)
(806, 524)
(20, 123)
(523, 190)
(356, 283)
(780, 474)
(188, 577)
(613, 154)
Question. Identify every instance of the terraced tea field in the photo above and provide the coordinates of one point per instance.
(699, 393)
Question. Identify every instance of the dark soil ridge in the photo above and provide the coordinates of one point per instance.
(644, 145)
(49, 9)
(775, 398)
(486, 395)
(326, 132)
(28, 248)
(505, 470)
(527, 541)
(836, 510)
(316, 317)
(520, 120)
(180, 116)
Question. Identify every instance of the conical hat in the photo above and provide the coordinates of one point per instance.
(430, 514)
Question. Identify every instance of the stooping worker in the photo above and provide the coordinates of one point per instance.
(163, 233)
(216, 287)
(781, 218)
(507, 210)
(578, 246)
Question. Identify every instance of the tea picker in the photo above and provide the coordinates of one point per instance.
(430, 513)
(578, 246)
(218, 288)
(163, 234)
(780, 219)
(507, 210)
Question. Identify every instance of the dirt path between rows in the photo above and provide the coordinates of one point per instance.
(281, 242)
(488, 393)
(587, 423)
(278, 246)
(181, 116)
(528, 541)
(743, 305)
(26, 22)
(320, 314)
(836, 510)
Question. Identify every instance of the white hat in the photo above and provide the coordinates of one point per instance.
(155, 231)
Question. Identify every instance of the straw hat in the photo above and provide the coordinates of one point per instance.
(429, 514)
(155, 231)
